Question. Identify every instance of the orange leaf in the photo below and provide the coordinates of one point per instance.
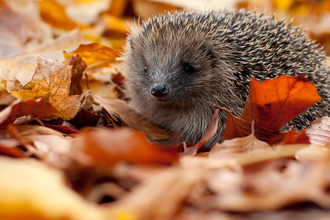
(293, 137)
(275, 102)
(116, 25)
(54, 13)
(94, 53)
(108, 147)
(237, 127)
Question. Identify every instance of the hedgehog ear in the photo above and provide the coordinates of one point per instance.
(211, 55)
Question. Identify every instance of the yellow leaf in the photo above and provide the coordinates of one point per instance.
(51, 81)
(94, 53)
(54, 13)
(31, 190)
(115, 24)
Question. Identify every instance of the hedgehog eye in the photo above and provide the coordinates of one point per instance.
(188, 68)
(145, 69)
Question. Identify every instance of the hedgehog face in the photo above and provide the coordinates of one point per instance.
(170, 72)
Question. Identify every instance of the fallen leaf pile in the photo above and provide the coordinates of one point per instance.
(71, 147)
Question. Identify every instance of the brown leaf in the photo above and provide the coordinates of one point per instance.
(84, 119)
(119, 79)
(234, 147)
(275, 102)
(108, 147)
(64, 126)
(168, 188)
(263, 190)
(78, 67)
(51, 81)
(39, 108)
(131, 118)
(53, 149)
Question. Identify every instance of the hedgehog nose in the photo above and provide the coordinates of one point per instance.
(159, 90)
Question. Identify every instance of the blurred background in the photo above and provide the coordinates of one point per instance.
(107, 21)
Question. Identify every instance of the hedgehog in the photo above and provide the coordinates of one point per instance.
(180, 64)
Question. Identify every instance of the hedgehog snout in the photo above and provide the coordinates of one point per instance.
(159, 90)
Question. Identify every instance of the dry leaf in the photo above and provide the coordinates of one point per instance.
(116, 26)
(237, 127)
(51, 81)
(262, 190)
(54, 14)
(78, 66)
(94, 53)
(131, 118)
(275, 102)
(108, 147)
(312, 153)
(162, 195)
(27, 186)
(293, 137)
(319, 131)
(84, 118)
(234, 147)
(55, 150)
(39, 108)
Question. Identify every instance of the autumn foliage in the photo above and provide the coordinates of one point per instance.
(71, 146)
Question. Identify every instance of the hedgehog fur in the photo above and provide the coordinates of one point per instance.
(194, 60)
